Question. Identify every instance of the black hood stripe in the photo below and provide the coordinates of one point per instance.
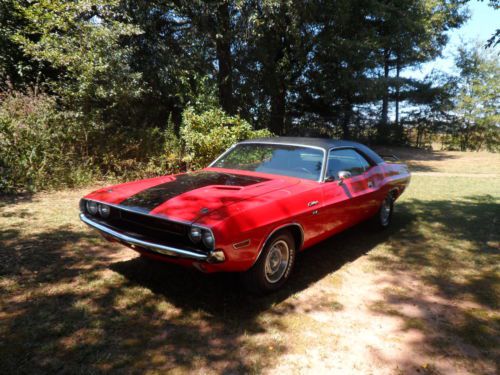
(148, 199)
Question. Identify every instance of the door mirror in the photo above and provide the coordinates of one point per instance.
(343, 175)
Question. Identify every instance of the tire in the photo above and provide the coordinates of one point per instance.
(274, 266)
(382, 220)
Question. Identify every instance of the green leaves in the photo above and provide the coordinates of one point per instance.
(477, 105)
(83, 41)
(208, 134)
(117, 72)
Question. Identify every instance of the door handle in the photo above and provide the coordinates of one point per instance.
(370, 184)
(312, 203)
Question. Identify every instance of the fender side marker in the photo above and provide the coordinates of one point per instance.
(241, 244)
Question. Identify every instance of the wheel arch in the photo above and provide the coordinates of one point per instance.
(395, 192)
(295, 229)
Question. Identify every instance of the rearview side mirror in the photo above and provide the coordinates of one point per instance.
(343, 175)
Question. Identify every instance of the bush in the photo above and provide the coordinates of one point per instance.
(205, 136)
(45, 147)
(40, 147)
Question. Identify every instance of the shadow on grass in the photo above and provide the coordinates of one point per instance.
(64, 311)
(222, 296)
(9, 199)
(60, 313)
(415, 158)
(454, 248)
(221, 320)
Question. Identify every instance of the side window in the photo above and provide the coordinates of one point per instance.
(346, 160)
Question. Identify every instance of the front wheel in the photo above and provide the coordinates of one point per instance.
(274, 266)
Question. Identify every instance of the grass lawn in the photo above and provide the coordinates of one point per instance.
(422, 297)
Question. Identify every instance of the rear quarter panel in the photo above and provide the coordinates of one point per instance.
(396, 178)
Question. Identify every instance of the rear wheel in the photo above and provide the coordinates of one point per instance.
(383, 218)
(274, 266)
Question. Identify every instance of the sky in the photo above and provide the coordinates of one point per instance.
(481, 25)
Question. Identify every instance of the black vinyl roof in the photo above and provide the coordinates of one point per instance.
(323, 143)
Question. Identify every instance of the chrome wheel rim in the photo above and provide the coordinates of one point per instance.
(277, 261)
(385, 211)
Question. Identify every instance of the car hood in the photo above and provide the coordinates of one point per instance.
(189, 196)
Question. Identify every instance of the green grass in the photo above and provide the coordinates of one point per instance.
(73, 303)
(452, 242)
(447, 161)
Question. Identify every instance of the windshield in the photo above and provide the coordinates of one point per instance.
(293, 161)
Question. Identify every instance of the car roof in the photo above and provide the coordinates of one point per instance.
(323, 143)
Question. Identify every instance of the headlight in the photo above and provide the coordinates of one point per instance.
(91, 207)
(104, 210)
(195, 234)
(208, 239)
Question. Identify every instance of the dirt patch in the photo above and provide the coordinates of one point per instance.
(381, 328)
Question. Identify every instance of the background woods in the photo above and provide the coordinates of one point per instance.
(97, 89)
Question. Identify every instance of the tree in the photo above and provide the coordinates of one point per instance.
(213, 22)
(410, 33)
(477, 105)
(340, 74)
(287, 65)
(271, 55)
(17, 71)
(82, 40)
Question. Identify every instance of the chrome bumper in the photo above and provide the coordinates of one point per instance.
(155, 247)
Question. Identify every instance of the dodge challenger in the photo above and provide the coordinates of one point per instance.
(253, 208)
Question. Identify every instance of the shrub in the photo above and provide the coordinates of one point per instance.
(40, 147)
(45, 147)
(207, 135)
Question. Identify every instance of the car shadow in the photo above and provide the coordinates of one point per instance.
(223, 296)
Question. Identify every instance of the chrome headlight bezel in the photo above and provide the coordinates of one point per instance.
(195, 234)
(92, 207)
(200, 235)
(104, 210)
(208, 239)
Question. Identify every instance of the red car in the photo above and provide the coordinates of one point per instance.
(253, 208)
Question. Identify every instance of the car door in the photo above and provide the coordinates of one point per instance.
(349, 200)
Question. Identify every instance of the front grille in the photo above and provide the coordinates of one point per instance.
(153, 223)
(148, 228)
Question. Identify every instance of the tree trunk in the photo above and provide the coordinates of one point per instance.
(385, 98)
(278, 107)
(398, 71)
(224, 59)
(382, 130)
(346, 119)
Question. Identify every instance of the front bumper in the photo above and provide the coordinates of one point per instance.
(216, 256)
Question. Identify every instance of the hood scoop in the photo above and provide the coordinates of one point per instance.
(232, 188)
